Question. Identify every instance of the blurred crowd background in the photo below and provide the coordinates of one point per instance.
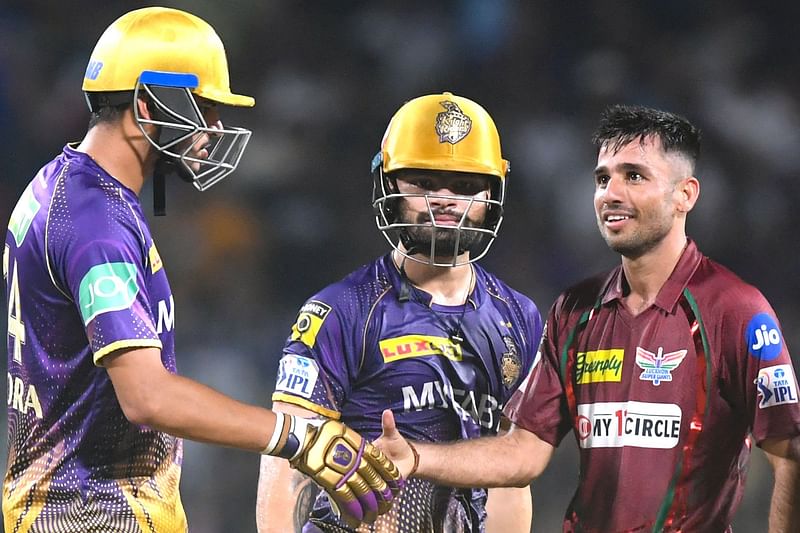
(327, 76)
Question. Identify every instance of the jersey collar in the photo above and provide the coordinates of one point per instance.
(669, 294)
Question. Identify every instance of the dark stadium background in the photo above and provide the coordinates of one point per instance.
(328, 75)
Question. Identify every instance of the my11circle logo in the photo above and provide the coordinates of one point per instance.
(763, 337)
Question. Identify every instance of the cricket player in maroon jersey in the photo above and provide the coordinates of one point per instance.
(665, 369)
(96, 410)
(423, 330)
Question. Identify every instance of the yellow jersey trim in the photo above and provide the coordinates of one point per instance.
(288, 398)
(130, 343)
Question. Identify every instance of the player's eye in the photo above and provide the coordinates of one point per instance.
(468, 187)
(424, 184)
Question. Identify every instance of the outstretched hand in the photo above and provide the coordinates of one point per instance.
(396, 448)
(360, 481)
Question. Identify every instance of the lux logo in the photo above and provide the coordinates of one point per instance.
(766, 337)
(658, 367)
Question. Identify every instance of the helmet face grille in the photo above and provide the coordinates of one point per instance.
(182, 135)
(428, 241)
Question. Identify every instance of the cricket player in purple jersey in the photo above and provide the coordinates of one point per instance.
(666, 369)
(95, 407)
(423, 331)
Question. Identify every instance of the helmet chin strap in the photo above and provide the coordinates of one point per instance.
(159, 193)
(164, 166)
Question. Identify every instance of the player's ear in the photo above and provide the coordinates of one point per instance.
(687, 191)
(143, 105)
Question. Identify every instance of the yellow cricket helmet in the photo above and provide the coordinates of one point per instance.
(161, 39)
(170, 57)
(439, 132)
(443, 132)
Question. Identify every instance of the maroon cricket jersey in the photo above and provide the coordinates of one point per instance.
(662, 404)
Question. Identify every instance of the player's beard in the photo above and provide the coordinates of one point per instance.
(421, 237)
(650, 232)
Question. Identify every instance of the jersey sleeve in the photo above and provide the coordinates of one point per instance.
(762, 380)
(319, 363)
(539, 405)
(103, 269)
(533, 326)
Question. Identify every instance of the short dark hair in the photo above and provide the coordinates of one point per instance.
(107, 114)
(622, 124)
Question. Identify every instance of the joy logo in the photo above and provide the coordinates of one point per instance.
(107, 287)
(763, 337)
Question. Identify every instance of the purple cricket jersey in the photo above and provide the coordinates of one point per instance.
(662, 404)
(373, 341)
(83, 279)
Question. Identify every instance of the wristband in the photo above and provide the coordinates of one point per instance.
(416, 460)
(276, 435)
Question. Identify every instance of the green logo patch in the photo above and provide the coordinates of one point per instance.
(107, 287)
(23, 214)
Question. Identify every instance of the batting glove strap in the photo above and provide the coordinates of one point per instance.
(290, 435)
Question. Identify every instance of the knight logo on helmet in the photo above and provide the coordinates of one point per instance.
(452, 125)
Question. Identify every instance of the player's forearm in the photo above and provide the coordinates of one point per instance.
(509, 510)
(784, 510)
(510, 460)
(285, 497)
(152, 396)
(188, 409)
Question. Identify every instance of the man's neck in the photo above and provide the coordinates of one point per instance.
(447, 285)
(122, 153)
(646, 275)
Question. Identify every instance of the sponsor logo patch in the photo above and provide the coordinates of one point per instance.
(452, 125)
(776, 385)
(93, 69)
(105, 288)
(510, 363)
(23, 214)
(408, 346)
(309, 321)
(599, 366)
(297, 375)
(763, 337)
(635, 424)
(658, 367)
(155, 259)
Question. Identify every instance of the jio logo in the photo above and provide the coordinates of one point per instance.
(763, 337)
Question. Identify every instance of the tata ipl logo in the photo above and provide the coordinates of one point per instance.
(763, 337)
(776, 386)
